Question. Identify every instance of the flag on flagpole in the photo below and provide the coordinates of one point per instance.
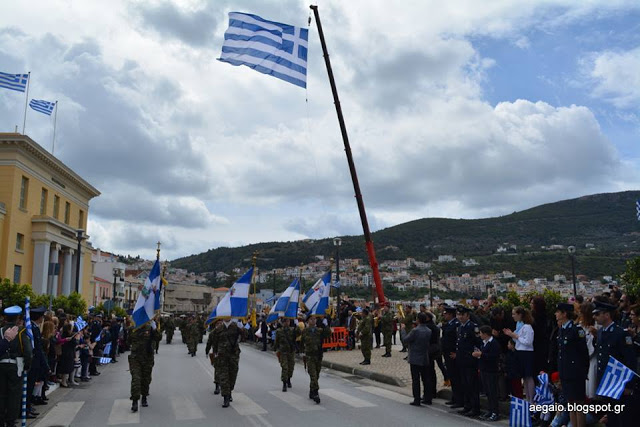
(544, 395)
(27, 319)
(273, 315)
(80, 323)
(313, 295)
(269, 47)
(145, 306)
(519, 415)
(14, 81)
(281, 307)
(292, 308)
(336, 285)
(235, 303)
(638, 209)
(157, 305)
(270, 299)
(615, 377)
(323, 303)
(44, 107)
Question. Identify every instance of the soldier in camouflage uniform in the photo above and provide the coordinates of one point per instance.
(183, 328)
(169, 326)
(193, 331)
(141, 342)
(285, 348)
(158, 335)
(216, 328)
(387, 329)
(365, 332)
(201, 328)
(409, 319)
(312, 337)
(226, 349)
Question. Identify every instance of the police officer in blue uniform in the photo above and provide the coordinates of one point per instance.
(448, 342)
(614, 341)
(468, 341)
(573, 360)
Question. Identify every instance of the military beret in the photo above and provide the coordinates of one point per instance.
(449, 308)
(462, 309)
(565, 306)
(602, 306)
(13, 310)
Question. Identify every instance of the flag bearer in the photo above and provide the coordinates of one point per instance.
(226, 348)
(15, 359)
(285, 347)
(312, 337)
(141, 341)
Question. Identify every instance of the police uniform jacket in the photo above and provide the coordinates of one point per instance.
(467, 342)
(449, 336)
(19, 347)
(573, 355)
(614, 341)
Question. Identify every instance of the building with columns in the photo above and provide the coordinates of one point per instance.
(44, 207)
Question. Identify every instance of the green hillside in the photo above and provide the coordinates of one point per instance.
(608, 221)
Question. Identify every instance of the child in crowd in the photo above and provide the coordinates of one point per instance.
(489, 355)
(511, 368)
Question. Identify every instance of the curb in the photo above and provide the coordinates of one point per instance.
(374, 376)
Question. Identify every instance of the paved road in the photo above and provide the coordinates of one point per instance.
(182, 395)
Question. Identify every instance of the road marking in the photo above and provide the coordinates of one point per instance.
(401, 398)
(121, 413)
(245, 406)
(207, 369)
(264, 421)
(345, 398)
(298, 402)
(61, 415)
(185, 408)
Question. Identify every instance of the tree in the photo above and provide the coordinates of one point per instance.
(14, 293)
(631, 278)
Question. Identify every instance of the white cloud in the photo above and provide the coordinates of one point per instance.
(616, 77)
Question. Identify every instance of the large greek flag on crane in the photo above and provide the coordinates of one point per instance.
(236, 302)
(272, 48)
(145, 306)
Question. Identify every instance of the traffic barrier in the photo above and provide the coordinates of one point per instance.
(338, 338)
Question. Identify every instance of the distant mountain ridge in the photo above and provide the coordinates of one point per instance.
(608, 221)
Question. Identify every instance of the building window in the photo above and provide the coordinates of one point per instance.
(81, 219)
(56, 206)
(67, 212)
(17, 273)
(20, 243)
(43, 201)
(24, 191)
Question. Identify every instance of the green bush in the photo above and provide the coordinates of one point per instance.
(15, 294)
(631, 278)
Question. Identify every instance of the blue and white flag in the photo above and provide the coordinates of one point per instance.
(273, 315)
(236, 302)
(105, 360)
(107, 348)
(27, 319)
(14, 81)
(44, 107)
(615, 377)
(312, 297)
(292, 308)
(283, 301)
(272, 48)
(145, 306)
(80, 323)
(519, 415)
(544, 395)
(317, 299)
(638, 209)
(270, 299)
(336, 285)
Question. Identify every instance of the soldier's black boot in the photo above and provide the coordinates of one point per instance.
(310, 394)
(230, 397)
(225, 404)
(316, 397)
(284, 386)
(387, 354)
(217, 390)
(289, 383)
(144, 401)
(134, 406)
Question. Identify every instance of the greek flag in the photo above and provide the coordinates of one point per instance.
(236, 302)
(157, 305)
(44, 107)
(105, 360)
(273, 315)
(519, 415)
(292, 307)
(336, 285)
(80, 323)
(638, 209)
(270, 300)
(272, 48)
(27, 319)
(145, 306)
(107, 348)
(543, 396)
(317, 298)
(615, 377)
(14, 81)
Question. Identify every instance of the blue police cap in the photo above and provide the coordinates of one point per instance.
(603, 306)
(13, 310)
(449, 308)
(565, 306)
(462, 309)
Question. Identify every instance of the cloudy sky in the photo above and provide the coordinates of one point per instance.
(460, 109)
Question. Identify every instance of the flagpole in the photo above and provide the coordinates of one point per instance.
(26, 98)
(55, 120)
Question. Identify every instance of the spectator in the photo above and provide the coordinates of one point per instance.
(524, 336)
(541, 334)
(585, 320)
(417, 340)
(488, 357)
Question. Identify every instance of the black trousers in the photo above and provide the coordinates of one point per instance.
(443, 368)
(490, 384)
(454, 376)
(470, 387)
(432, 375)
(418, 373)
(264, 341)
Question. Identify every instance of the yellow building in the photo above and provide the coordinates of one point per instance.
(44, 207)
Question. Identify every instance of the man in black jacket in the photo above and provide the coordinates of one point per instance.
(488, 357)
(448, 343)
(468, 341)
(434, 352)
(418, 343)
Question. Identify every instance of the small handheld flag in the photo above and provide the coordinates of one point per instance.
(236, 301)
(269, 47)
(105, 360)
(44, 107)
(16, 82)
(543, 396)
(519, 415)
(80, 323)
(27, 319)
(615, 378)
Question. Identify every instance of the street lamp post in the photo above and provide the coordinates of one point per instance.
(273, 273)
(116, 274)
(337, 242)
(572, 251)
(129, 303)
(430, 273)
(79, 235)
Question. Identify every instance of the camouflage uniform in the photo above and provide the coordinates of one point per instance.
(141, 361)
(365, 329)
(285, 347)
(312, 338)
(387, 330)
(169, 326)
(193, 331)
(183, 329)
(10, 382)
(227, 350)
(158, 336)
(216, 371)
